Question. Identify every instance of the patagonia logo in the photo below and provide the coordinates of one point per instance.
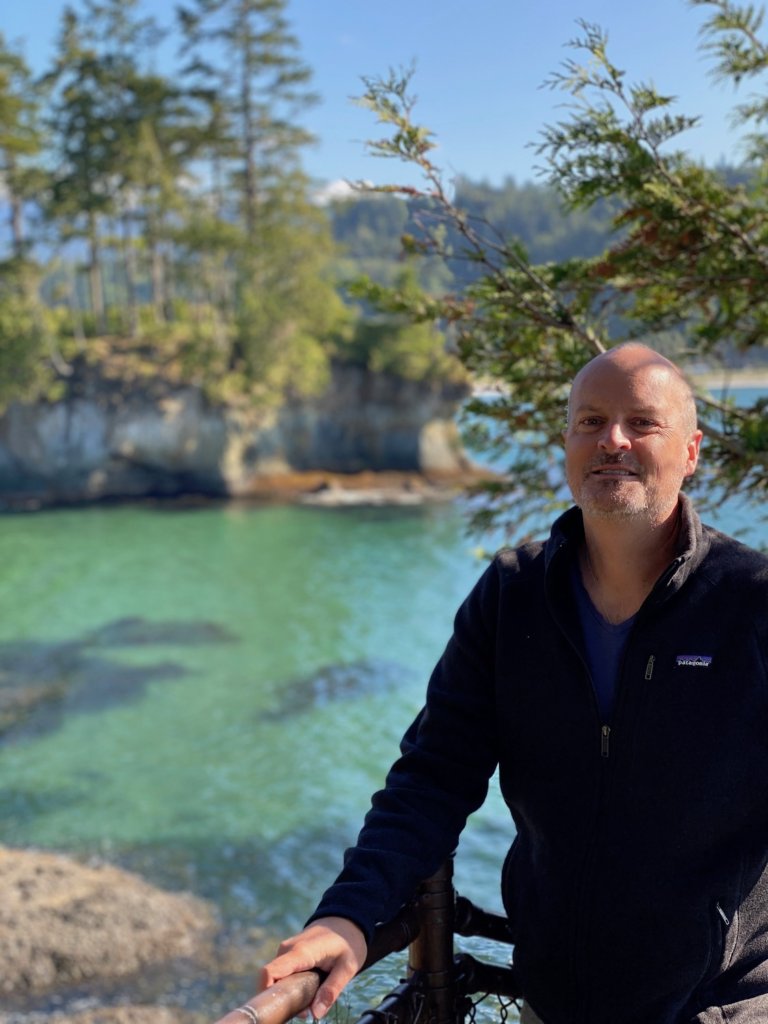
(694, 660)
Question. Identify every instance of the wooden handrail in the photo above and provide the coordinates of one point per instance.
(281, 1001)
(290, 996)
(426, 925)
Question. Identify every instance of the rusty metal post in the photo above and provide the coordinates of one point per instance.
(431, 953)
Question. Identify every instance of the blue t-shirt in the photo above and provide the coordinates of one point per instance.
(604, 644)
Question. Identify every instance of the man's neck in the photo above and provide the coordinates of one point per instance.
(621, 559)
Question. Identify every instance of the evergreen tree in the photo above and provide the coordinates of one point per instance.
(21, 140)
(84, 130)
(262, 85)
(25, 349)
(683, 269)
(97, 122)
(159, 141)
(244, 64)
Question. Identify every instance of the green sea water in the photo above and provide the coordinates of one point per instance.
(234, 682)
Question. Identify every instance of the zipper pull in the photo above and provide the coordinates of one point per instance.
(649, 667)
(605, 736)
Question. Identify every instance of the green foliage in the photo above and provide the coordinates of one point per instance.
(184, 237)
(21, 140)
(243, 53)
(534, 214)
(395, 345)
(181, 199)
(264, 249)
(26, 372)
(403, 337)
(682, 267)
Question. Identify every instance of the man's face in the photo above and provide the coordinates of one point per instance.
(629, 442)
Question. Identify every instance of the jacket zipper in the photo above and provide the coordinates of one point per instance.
(582, 926)
(605, 741)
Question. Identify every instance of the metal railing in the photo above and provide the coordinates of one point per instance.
(441, 987)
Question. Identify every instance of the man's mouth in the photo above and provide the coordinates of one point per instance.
(613, 471)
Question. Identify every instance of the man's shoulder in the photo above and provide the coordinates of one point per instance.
(730, 556)
(520, 561)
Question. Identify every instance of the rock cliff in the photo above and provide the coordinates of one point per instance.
(113, 438)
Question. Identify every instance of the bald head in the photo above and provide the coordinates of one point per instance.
(633, 358)
(631, 437)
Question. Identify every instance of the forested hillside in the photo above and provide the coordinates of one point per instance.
(163, 221)
(168, 215)
(369, 227)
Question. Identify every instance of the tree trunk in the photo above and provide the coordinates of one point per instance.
(15, 211)
(250, 196)
(159, 292)
(17, 226)
(131, 275)
(95, 277)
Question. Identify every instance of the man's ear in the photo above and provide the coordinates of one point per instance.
(694, 443)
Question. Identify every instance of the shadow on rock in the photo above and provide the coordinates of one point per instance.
(336, 682)
(41, 683)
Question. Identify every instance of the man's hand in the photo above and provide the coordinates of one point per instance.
(333, 944)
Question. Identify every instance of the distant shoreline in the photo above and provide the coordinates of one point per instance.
(750, 377)
(727, 379)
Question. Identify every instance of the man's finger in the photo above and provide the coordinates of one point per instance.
(330, 991)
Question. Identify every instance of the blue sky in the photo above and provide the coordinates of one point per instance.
(479, 69)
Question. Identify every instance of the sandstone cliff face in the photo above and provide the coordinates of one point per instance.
(111, 439)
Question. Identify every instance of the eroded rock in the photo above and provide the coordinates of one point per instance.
(63, 923)
(110, 1015)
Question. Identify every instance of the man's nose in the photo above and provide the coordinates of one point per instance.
(613, 438)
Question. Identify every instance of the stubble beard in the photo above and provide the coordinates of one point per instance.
(623, 500)
(612, 504)
(613, 499)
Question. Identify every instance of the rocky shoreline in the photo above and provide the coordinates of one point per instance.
(90, 943)
(120, 439)
(108, 1015)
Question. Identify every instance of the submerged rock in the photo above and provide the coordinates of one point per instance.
(336, 682)
(109, 1015)
(43, 682)
(63, 923)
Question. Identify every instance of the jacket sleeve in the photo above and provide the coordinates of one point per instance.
(447, 757)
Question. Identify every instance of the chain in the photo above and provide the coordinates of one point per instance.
(499, 1009)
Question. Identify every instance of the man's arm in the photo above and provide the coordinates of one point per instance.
(448, 756)
(332, 944)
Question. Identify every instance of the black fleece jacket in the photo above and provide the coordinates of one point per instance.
(637, 885)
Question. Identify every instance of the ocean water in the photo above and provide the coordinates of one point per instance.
(234, 681)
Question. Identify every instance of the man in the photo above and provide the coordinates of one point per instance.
(616, 674)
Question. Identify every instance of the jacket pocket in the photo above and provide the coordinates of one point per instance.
(721, 920)
(727, 933)
(509, 889)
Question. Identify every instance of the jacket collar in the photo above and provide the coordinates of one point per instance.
(693, 544)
